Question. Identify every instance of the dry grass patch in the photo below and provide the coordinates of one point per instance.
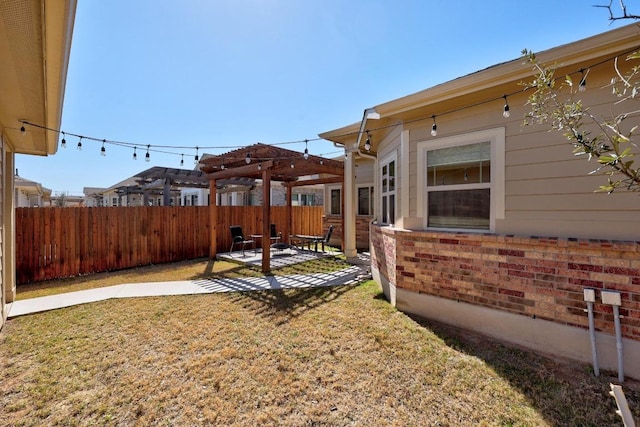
(326, 356)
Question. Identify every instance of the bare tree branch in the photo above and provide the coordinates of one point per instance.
(623, 11)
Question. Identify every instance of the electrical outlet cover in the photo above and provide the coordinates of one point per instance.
(611, 298)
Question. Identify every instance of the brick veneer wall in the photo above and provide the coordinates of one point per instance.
(362, 230)
(532, 276)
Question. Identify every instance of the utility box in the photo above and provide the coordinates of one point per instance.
(611, 298)
(590, 295)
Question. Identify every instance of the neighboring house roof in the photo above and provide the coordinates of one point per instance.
(504, 78)
(31, 188)
(35, 41)
(93, 191)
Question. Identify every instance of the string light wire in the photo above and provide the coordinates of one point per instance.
(163, 149)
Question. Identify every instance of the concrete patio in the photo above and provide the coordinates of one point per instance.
(348, 276)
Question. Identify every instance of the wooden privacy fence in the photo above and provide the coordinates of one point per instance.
(63, 242)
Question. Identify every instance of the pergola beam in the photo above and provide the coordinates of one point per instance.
(330, 180)
(246, 171)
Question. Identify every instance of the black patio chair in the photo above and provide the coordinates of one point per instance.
(237, 238)
(275, 236)
(323, 239)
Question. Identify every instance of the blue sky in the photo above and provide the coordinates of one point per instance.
(232, 73)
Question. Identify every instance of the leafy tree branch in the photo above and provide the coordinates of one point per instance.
(554, 101)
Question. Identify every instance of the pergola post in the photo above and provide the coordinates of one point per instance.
(266, 220)
(213, 219)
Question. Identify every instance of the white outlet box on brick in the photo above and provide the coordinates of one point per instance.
(611, 298)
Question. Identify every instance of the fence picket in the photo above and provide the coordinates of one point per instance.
(61, 242)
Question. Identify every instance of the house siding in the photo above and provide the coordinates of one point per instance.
(548, 190)
(6, 291)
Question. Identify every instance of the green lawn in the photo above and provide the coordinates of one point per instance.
(313, 357)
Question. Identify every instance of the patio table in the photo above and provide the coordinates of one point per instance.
(306, 238)
(259, 236)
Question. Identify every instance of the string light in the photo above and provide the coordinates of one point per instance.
(259, 166)
(306, 150)
(247, 159)
(583, 81)
(196, 158)
(292, 165)
(103, 150)
(63, 143)
(181, 159)
(147, 157)
(505, 112)
(23, 130)
(135, 155)
(222, 166)
(367, 144)
(581, 87)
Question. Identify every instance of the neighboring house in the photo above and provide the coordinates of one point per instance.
(93, 196)
(36, 41)
(493, 226)
(64, 200)
(122, 194)
(30, 194)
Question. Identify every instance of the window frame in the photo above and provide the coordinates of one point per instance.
(370, 187)
(329, 201)
(496, 186)
(384, 197)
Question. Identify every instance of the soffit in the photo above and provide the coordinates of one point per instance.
(35, 41)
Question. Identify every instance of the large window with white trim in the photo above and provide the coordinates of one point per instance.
(459, 186)
(463, 180)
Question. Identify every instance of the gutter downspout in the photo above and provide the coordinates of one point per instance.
(350, 250)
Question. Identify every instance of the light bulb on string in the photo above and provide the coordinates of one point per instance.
(103, 150)
(259, 166)
(135, 155)
(505, 112)
(80, 144)
(181, 159)
(63, 143)
(196, 159)
(147, 156)
(222, 166)
(306, 150)
(434, 126)
(292, 165)
(247, 159)
(367, 144)
(23, 130)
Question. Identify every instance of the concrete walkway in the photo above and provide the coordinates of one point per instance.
(348, 276)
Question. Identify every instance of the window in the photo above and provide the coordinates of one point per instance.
(388, 191)
(194, 200)
(336, 202)
(302, 200)
(463, 180)
(365, 200)
(458, 186)
(114, 201)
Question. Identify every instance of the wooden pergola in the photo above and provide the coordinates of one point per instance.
(268, 163)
